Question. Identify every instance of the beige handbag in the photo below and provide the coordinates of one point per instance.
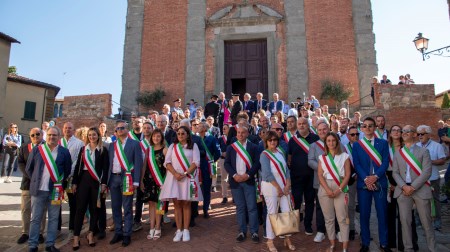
(285, 223)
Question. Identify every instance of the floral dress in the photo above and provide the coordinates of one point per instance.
(151, 189)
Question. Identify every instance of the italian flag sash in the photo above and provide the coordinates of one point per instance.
(63, 142)
(58, 191)
(287, 136)
(349, 150)
(212, 166)
(224, 138)
(242, 152)
(156, 175)
(412, 161)
(128, 188)
(30, 147)
(329, 163)
(281, 151)
(313, 130)
(378, 134)
(391, 155)
(184, 162)
(321, 145)
(144, 145)
(279, 166)
(302, 143)
(133, 136)
(370, 150)
(89, 164)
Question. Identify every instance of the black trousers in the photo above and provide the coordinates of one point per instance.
(302, 188)
(101, 215)
(86, 196)
(72, 209)
(395, 227)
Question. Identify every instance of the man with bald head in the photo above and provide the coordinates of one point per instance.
(36, 138)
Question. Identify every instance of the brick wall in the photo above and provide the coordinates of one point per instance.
(331, 45)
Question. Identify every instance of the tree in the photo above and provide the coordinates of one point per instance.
(151, 98)
(12, 70)
(334, 90)
(445, 101)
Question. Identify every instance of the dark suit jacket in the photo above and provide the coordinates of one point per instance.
(133, 153)
(362, 162)
(230, 164)
(237, 107)
(250, 107)
(258, 107)
(101, 166)
(212, 109)
(220, 102)
(169, 136)
(35, 167)
(278, 106)
(22, 162)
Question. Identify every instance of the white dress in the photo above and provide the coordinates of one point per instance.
(180, 190)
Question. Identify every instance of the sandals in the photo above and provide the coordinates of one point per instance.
(330, 249)
(271, 246)
(288, 244)
(157, 234)
(151, 234)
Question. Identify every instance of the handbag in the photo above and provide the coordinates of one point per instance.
(285, 223)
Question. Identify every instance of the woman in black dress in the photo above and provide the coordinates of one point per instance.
(152, 178)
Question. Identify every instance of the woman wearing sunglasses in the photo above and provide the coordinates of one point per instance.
(181, 183)
(11, 143)
(275, 185)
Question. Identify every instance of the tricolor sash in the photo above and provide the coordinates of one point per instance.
(63, 142)
(287, 136)
(242, 152)
(184, 163)
(391, 155)
(349, 150)
(144, 145)
(281, 151)
(328, 161)
(90, 165)
(370, 150)
(412, 161)
(156, 175)
(133, 136)
(313, 130)
(302, 143)
(224, 138)
(126, 166)
(212, 166)
(30, 147)
(378, 134)
(58, 191)
(279, 166)
(321, 145)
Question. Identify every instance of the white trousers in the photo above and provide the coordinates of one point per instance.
(272, 204)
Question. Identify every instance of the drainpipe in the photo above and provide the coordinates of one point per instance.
(43, 107)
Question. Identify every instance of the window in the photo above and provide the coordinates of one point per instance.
(30, 110)
(60, 110)
(55, 111)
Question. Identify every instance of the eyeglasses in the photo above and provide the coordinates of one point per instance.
(407, 131)
(35, 135)
(422, 134)
(120, 128)
(272, 140)
(396, 130)
(367, 126)
(354, 134)
(181, 133)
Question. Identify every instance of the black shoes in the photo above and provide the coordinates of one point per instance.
(51, 249)
(255, 238)
(75, 248)
(206, 215)
(364, 248)
(351, 235)
(33, 250)
(41, 239)
(22, 239)
(385, 249)
(126, 241)
(117, 238)
(224, 201)
(241, 237)
(101, 235)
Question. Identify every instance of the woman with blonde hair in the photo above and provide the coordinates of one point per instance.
(11, 143)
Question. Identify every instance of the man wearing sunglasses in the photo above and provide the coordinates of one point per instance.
(35, 140)
(371, 160)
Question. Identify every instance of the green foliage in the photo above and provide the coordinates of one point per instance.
(445, 101)
(151, 98)
(12, 70)
(334, 90)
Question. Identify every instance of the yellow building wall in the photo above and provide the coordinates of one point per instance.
(5, 48)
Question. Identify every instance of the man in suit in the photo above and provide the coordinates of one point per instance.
(223, 105)
(381, 131)
(248, 105)
(212, 109)
(276, 104)
(242, 163)
(125, 158)
(237, 107)
(212, 130)
(371, 160)
(413, 187)
(162, 124)
(25, 150)
(260, 103)
(48, 166)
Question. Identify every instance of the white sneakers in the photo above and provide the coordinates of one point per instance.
(319, 237)
(182, 235)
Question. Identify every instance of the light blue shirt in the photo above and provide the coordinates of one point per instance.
(436, 152)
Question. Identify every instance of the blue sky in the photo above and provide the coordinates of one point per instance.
(78, 45)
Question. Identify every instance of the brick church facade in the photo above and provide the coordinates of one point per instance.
(195, 48)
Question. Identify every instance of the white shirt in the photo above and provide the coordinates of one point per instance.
(92, 154)
(339, 160)
(74, 145)
(436, 152)
(43, 186)
(241, 168)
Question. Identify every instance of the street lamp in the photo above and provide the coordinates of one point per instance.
(421, 44)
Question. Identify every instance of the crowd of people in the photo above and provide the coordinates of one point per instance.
(268, 155)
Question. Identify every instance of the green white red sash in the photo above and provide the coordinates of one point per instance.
(378, 134)
(126, 166)
(212, 166)
(224, 138)
(370, 150)
(156, 175)
(321, 145)
(133, 136)
(281, 151)
(242, 152)
(58, 191)
(63, 142)
(184, 163)
(349, 150)
(279, 166)
(391, 155)
(90, 165)
(330, 165)
(30, 147)
(287, 136)
(412, 161)
(313, 130)
(302, 143)
(144, 145)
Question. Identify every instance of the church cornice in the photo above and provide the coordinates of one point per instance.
(244, 15)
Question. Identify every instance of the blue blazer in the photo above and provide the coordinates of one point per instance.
(362, 161)
(279, 106)
(250, 106)
(230, 164)
(133, 152)
(257, 107)
(213, 147)
(35, 167)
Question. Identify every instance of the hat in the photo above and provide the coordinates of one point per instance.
(177, 100)
(235, 94)
(214, 96)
